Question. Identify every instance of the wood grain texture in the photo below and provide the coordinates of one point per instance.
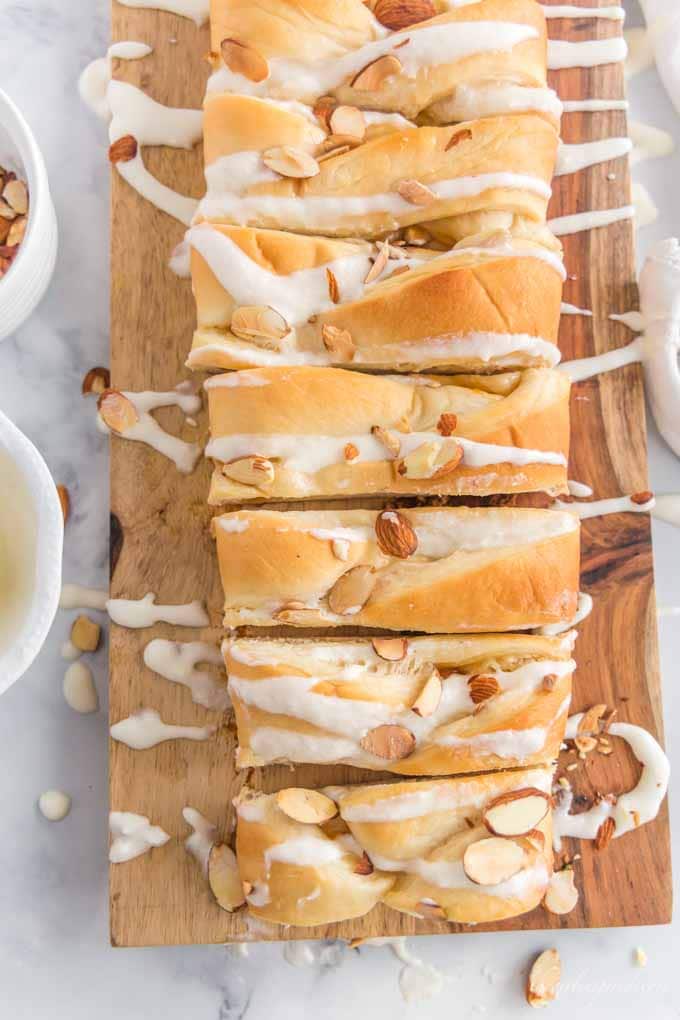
(162, 542)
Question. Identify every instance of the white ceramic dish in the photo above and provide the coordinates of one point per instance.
(22, 287)
(31, 539)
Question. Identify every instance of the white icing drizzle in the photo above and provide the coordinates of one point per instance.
(133, 835)
(584, 608)
(54, 805)
(79, 690)
(563, 225)
(427, 46)
(202, 839)
(299, 954)
(94, 80)
(151, 123)
(177, 661)
(147, 430)
(471, 101)
(649, 142)
(145, 729)
(632, 320)
(572, 158)
(667, 508)
(593, 105)
(590, 53)
(586, 368)
(574, 11)
(568, 309)
(76, 596)
(579, 489)
(601, 507)
(195, 10)
(646, 210)
(180, 207)
(632, 809)
(144, 612)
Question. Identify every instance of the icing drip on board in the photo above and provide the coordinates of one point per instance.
(590, 53)
(149, 122)
(574, 224)
(584, 608)
(574, 11)
(147, 430)
(593, 105)
(133, 835)
(94, 80)
(602, 507)
(202, 839)
(144, 612)
(572, 158)
(145, 729)
(176, 661)
(195, 10)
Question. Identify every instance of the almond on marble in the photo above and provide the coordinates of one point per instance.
(96, 380)
(65, 501)
(544, 978)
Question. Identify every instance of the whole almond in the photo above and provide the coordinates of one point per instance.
(223, 878)
(419, 463)
(390, 649)
(396, 14)
(347, 121)
(605, 834)
(352, 590)
(96, 381)
(17, 230)
(85, 634)
(390, 742)
(372, 77)
(123, 149)
(338, 342)
(288, 161)
(544, 978)
(307, 806)
(351, 452)
(415, 192)
(394, 534)
(447, 423)
(244, 59)
(117, 411)
(640, 498)
(482, 687)
(65, 501)
(6, 211)
(251, 470)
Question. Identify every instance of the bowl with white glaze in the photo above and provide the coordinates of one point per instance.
(31, 539)
(24, 284)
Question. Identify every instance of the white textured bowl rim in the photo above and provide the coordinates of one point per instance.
(49, 543)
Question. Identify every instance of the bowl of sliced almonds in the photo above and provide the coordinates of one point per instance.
(28, 224)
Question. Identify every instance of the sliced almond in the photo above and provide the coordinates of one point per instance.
(96, 381)
(223, 876)
(252, 470)
(352, 590)
(589, 729)
(517, 812)
(347, 121)
(493, 860)
(65, 500)
(364, 865)
(433, 910)
(550, 681)
(561, 895)
(390, 742)
(333, 291)
(427, 702)
(251, 321)
(123, 149)
(390, 649)
(415, 192)
(16, 232)
(605, 833)
(336, 150)
(85, 634)
(379, 263)
(6, 211)
(290, 162)
(391, 442)
(640, 498)
(338, 342)
(454, 454)
(340, 547)
(482, 687)
(447, 423)
(536, 839)
(544, 978)
(457, 138)
(397, 14)
(420, 462)
(323, 109)
(351, 452)
(372, 77)
(243, 59)
(117, 411)
(394, 534)
(16, 193)
(308, 806)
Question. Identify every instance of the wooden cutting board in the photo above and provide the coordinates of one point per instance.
(160, 537)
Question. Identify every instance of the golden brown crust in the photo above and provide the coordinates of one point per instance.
(413, 833)
(503, 701)
(336, 408)
(474, 569)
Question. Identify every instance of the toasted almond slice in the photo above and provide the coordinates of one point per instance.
(243, 59)
(308, 806)
(482, 687)
(415, 192)
(640, 498)
(390, 649)
(352, 590)
(300, 617)
(96, 381)
(561, 895)
(536, 839)
(323, 109)
(433, 910)
(117, 411)
(391, 442)
(447, 423)
(16, 232)
(347, 121)
(364, 865)
(290, 162)
(605, 833)
(379, 262)
(394, 534)
(457, 137)
(332, 282)
(223, 876)
(427, 702)
(85, 634)
(396, 14)
(338, 342)
(16, 193)
(251, 470)
(340, 548)
(589, 729)
(351, 452)
(336, 150)
(6, 211)
(517, 812)
(493, 860)
(65, 500)
(390, 742)
(419, 463)
(251, 321)
(544, 978)
(372, 77)
(123, 149)
(454, 457)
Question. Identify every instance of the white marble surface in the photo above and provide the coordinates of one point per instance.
(55, 961)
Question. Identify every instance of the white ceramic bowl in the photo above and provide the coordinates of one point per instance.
(31, 539)
(22, 287)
